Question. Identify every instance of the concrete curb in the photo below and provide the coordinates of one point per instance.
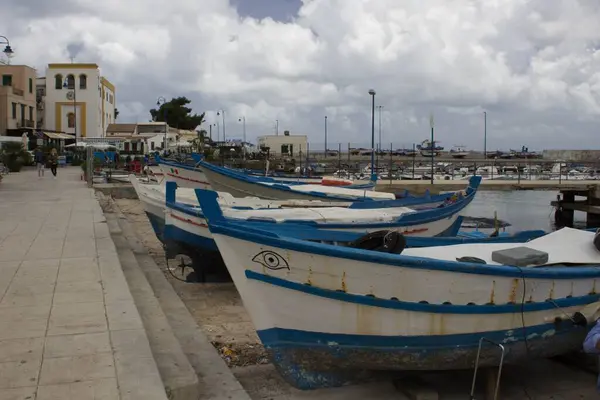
(216, 378)
(178, 376)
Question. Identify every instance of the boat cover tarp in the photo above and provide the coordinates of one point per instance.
(565, 246)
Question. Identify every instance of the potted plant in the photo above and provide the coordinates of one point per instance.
(14, 156)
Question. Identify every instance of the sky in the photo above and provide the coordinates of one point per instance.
(532, 65)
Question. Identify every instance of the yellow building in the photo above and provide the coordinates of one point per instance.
(17, 100)
(78, 100)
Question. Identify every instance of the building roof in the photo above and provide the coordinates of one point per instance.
(73, 66)
(121, 128)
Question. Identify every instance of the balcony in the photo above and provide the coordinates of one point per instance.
(29, 123)
(17, 92)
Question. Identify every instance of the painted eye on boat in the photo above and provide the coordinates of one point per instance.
(271, 260)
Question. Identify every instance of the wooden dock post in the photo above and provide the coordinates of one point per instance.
(567, 205)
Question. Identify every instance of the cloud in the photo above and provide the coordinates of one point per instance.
(533, 65)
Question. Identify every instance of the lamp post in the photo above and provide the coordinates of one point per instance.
(326, 136)
(222, 114)
(210, 132)
(432, 146)
(163, 101)
(243, 121)
(67, 85)
(373, 174)
(379, 146)
(276, 127)
(485, 135)
(8, 51)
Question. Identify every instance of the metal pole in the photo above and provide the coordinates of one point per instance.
(276, 127)
(432, 147)
(339, 156)
(391, 162)
(210, 132)
(75, 107)
(413, 161)
(326, 136)
(485, 135)
(223, 114)
(166, 127)
(373, 175)
(218, 131)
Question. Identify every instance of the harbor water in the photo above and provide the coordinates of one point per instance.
(522, 209)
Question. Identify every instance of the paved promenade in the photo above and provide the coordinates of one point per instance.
(69, 328)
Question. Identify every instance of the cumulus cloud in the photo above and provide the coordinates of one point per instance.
(533, 65)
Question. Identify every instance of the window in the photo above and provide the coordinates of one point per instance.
(30, 85)
(70, 82)
(58, 81)
(30, 113)
(6, 80)
(82, 81)
(14, 110)
(71, 120)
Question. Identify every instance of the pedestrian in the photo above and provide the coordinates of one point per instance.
(53, 161)
(39, 161)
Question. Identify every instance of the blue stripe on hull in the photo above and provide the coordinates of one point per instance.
(309, 360)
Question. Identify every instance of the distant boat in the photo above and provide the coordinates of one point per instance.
(429, 149)
(459, 152)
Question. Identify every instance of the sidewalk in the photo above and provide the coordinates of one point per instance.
(68, 326)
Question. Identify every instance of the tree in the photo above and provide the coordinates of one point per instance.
(177, 114)
(116, 113)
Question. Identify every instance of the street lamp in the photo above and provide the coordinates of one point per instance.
(485, 135)
(379, 145)
(163, 101)
(326, 136)
(276, 127)
(243, 121)
(432, 146)
(8, 51)
(67, 85)
(222, 114)
(373, 174)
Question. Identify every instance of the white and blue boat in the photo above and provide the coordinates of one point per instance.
(193, 176)
(186, 226)
(325, 313)
(153, 199)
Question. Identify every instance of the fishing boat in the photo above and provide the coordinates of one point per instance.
(326, 313)
(242, 185)
(429, 148)
(459, 152)
(193, 176)
(154, 196)
(186, 225)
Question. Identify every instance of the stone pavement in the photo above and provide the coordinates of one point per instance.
(69, 328)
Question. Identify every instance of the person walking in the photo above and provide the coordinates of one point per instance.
(53, 161)
(39, 161)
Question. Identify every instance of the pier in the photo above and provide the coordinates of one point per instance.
(566, 204)
(420, 186)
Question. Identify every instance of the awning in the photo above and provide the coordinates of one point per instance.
(59, 136)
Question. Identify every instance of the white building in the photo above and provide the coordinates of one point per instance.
(85, 107)
(278, 145)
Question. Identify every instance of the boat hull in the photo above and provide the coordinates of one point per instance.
(324, 314)
(184, 176)
(240, 188)
(316, 363)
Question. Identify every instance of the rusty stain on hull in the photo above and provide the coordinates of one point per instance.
(512, 297)
(344, 288)
(551, 294)
(493, 293)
